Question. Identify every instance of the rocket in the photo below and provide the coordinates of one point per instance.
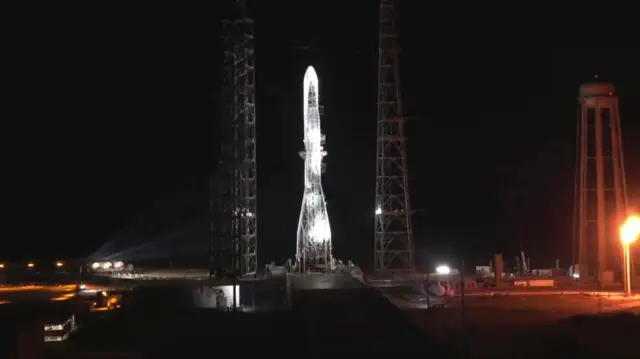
(314, 232)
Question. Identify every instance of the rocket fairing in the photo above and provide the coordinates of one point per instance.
(314, 232)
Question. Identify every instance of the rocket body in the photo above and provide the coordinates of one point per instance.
(314, 232)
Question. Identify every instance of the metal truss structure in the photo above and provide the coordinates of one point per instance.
(233, 225)
(393, 253)
(313, 250)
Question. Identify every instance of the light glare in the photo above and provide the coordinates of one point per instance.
(630, 230)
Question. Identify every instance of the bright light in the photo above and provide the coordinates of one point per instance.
(118, 265)
(30, 265)
(1, 265)
(630, 230)
(56, 338)
(95, 265)
(576, 275)
(53, 327)
(320, 230)
(312, 132)
(629, 233)
(227, 291)
(63, 297)
(378, 210)
(443, 270)
(106, 265)
(59, 264)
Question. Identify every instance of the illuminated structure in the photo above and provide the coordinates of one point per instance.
(313, 251)
(107, 266)
(233, 225)
(60, 332)
(601, 196)
(629, 233)
(393, 253)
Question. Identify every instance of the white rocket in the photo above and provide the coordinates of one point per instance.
(314, 233)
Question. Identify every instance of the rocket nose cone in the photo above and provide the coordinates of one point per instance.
(310, 75)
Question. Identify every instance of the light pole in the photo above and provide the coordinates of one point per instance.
(629, 233)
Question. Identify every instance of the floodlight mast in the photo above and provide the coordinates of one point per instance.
(313, 249)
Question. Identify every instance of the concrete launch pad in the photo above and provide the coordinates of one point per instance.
(340, 311)
(323, 281)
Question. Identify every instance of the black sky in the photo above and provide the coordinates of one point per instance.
(110, 109)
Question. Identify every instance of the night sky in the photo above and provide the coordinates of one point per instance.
(110, 114)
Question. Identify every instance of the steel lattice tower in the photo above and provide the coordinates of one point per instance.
(601, 196)
(234, 203)
(393, 235)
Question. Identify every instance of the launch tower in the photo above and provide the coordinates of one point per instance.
(601, 196)
(313, 252)
(233, 224)
(393, 253)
